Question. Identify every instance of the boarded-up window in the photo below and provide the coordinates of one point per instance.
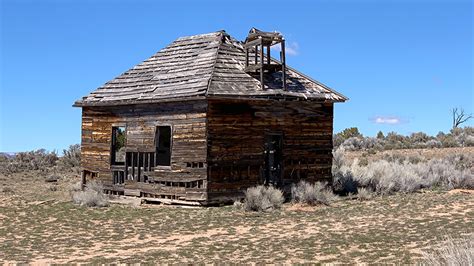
(118, 145)
(163, 145)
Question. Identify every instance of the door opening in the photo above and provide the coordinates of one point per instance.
(273, 159)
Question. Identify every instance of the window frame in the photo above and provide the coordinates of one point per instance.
(113, 161)
(156, 139)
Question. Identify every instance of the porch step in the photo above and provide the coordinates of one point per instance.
(132, 192)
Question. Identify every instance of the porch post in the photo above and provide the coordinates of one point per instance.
(83, 179)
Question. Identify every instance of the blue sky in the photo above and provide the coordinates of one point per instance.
(403, 64)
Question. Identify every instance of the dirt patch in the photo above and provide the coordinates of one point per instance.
(462, 191)
(298, 207)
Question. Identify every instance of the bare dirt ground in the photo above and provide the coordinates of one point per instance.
(38, 224)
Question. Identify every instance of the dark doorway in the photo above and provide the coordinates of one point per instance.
(163, 145)
(273, 159)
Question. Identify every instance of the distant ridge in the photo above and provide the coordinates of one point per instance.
(8, 154)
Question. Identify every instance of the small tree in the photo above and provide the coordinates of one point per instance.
(459, 117)
(350, 132)
(347, 133)
(380, 135)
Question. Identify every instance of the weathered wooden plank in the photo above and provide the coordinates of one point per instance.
(236, 139)
(188, 121)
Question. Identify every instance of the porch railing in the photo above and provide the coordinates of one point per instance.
(136, 163)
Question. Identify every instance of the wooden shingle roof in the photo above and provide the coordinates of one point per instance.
(206, 65)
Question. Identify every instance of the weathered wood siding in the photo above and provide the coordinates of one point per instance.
(218, 142)
(189, 144)
(236, 131)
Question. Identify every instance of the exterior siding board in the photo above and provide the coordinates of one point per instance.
(236, 143)
(225, 136)
(189, 144)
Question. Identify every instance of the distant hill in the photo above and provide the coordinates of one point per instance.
(8, 154)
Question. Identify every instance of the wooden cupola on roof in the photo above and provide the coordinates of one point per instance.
(258, 44)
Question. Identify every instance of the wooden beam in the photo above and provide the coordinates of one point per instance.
(139, 160)
(246, 57)
(268, 55)
(256, 53)
(172, 201)
(253, 43)
(261, 64)
(125, 172)
(133, 164)
(83, 179)
(149, 162)
(283, 64)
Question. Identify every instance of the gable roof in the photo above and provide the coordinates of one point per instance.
(205, 65)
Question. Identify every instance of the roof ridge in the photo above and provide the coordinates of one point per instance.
(198, 35)
(223, 34)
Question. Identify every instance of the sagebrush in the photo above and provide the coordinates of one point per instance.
(364, 194)
(312, 194)
(27, 161)
(387, 176)
(92, 195)
(71, 157)
(41, 160)
(263, 198)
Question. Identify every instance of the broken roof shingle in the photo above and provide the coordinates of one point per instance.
(201, 65)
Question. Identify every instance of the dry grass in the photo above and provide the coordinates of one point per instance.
(452, 252)
(394, 229)
(365, 194)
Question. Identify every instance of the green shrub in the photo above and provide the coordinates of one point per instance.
(352, 139)
(347, 133)
(449, 141)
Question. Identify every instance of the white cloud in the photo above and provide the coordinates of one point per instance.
(290, 49)
(389, 120)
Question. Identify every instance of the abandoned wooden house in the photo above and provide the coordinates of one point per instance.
(205, 118)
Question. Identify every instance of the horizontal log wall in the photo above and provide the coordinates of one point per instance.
(236, 131)
(189, 145)
(225, 159)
